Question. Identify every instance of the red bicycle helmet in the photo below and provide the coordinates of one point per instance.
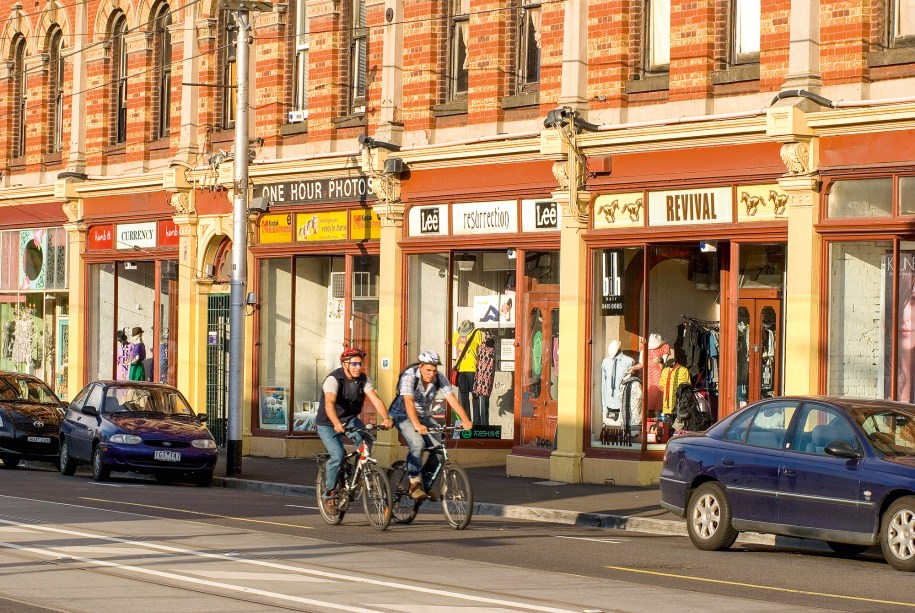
(351, 353)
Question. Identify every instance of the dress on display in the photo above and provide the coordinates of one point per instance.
(654, 397)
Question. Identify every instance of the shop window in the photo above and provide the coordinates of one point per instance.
(616, 383)
(861, 198)
(275, 283)
(860, 295)
(364, 318)
(907, 195)
(428, 304)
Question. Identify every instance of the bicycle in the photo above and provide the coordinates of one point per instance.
(359, 475)
(450, 482)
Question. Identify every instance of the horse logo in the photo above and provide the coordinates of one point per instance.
(779, 201)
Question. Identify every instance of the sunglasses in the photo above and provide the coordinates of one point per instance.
(356, 364)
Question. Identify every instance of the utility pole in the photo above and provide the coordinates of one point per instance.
(239, 278)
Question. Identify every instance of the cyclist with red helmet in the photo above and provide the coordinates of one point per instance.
(345, 390)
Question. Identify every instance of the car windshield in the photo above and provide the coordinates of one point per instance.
(26, 389)
(891, 432)
(130, 399)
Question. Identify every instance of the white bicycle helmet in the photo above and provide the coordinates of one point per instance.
(429, 357)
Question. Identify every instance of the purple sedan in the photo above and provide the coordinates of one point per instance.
(135, 426)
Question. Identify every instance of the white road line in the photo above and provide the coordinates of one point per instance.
(296, 569)
(302, 506)
(236, 576)
(186, 579)
(581, 538)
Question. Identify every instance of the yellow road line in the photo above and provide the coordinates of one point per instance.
(149, 506)
(760, 587)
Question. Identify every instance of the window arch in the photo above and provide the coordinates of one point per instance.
(20, 89)
(118, 31)
(162, 54)
(56, 88)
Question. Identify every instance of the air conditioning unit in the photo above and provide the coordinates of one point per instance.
(297, 116)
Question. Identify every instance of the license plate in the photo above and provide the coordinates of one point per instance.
(167, 456)
(39, 439)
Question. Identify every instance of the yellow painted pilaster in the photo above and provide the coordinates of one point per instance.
(191, 346)
(77, 233)
(249, 394)
(565, 461)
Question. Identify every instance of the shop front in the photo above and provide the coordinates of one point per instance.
(34, 302)
(687, 306)
(132, 299)
(317, 274)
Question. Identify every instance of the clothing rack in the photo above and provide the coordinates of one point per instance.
(708, 323)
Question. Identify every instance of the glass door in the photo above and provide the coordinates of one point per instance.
(758, 349)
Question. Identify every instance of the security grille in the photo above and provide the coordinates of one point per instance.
(218, 366)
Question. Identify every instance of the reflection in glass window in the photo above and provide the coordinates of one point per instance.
(428, 304)
(907, 195)
(861, 198)
(459, 15)
(819, 426)
(746, 17)
(769, 425)
(274, 336)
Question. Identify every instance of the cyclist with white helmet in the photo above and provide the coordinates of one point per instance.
(345, 390)
(412, 413)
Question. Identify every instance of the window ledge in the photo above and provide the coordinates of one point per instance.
(520, 100)
(455, 107)
(17, 164)
(891, 57)
(653, 83)
(159, 144)
(117, 149)
(736, 74)
(290, 129)
(349, 121)
(52, 159)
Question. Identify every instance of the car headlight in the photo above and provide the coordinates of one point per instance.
(126, 439)
(204, 443)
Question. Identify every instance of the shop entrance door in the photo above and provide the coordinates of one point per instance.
(539, 339)
(759, 339)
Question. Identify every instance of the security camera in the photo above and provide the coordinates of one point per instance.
(511, 254)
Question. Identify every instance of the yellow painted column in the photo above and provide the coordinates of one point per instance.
(565, 461)
(77, 354)
(191, 345)
(802, 291)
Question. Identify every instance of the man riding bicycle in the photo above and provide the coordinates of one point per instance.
(345, 389)
(412, 412)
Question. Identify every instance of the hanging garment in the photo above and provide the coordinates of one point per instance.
(632, 402)
(613, 371)
(671, 378)
(486, 367)
(654, 395)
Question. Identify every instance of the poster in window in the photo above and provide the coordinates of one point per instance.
(273, 406)
(905, 360)
(494, 311)
(611, 292)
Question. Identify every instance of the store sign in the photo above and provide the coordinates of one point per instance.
(611, 275)
(326, 226)
(484, 217)
(101, 237)
(365, 224)
(168, 234)
(429, 220)
(619, 210)
(539, 215)
(761, 203)
(480, 432)
(135, 235)
(317, 191)
(276, 228)
(690, 207)
(273, 407)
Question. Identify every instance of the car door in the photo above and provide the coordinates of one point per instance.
(751, 458)
(819, 491)
(82, 427)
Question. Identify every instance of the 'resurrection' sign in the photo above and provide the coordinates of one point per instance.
(316, 191)
(689, 207)
(484, 217)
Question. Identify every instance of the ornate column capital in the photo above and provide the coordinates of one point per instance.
(183, 203)
(385, 185)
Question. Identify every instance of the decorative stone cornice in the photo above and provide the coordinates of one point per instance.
(183, 203)
(98, 52)
(138, 42)
(206, 28)
(385, 185)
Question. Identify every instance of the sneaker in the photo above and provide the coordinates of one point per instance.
(433, 495)
(417, 493)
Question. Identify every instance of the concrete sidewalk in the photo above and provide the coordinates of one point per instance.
(605, 506)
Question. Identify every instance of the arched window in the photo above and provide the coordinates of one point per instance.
(118, 78)
(162, 49)
(56, 89)
(20, 80)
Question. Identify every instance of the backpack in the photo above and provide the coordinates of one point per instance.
(416, 383)
(687, 412)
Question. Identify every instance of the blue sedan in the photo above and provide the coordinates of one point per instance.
(136, 427)
(836, 469)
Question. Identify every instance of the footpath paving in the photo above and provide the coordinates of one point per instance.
(605, 506)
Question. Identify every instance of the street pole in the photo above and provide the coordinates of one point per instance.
(239, 277)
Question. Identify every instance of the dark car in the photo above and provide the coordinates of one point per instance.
(30, 415)
(836, 469)
(135, 426)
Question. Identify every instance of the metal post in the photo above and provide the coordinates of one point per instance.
(239, 278)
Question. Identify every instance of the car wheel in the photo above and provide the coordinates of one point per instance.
(897, 534)
(10, 462)
(66, 463)
(100, 470)
(708, 518)
(204, 479)
(847, 549)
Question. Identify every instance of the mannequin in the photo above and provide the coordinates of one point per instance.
(613, 369)
(483, 381)
(137, 356)
(657, 348)
(672, 376)
(470, 337)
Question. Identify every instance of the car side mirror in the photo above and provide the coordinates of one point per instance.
(202, 418)
(89, 410)
(841, 449)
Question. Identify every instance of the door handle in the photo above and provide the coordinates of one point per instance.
(728, 462)
(790, 472)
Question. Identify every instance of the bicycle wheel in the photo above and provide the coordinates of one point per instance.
(376, 497)
(404, 508)
(457, 497)
(332, 518)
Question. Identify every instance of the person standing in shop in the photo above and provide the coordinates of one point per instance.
(137, 356)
